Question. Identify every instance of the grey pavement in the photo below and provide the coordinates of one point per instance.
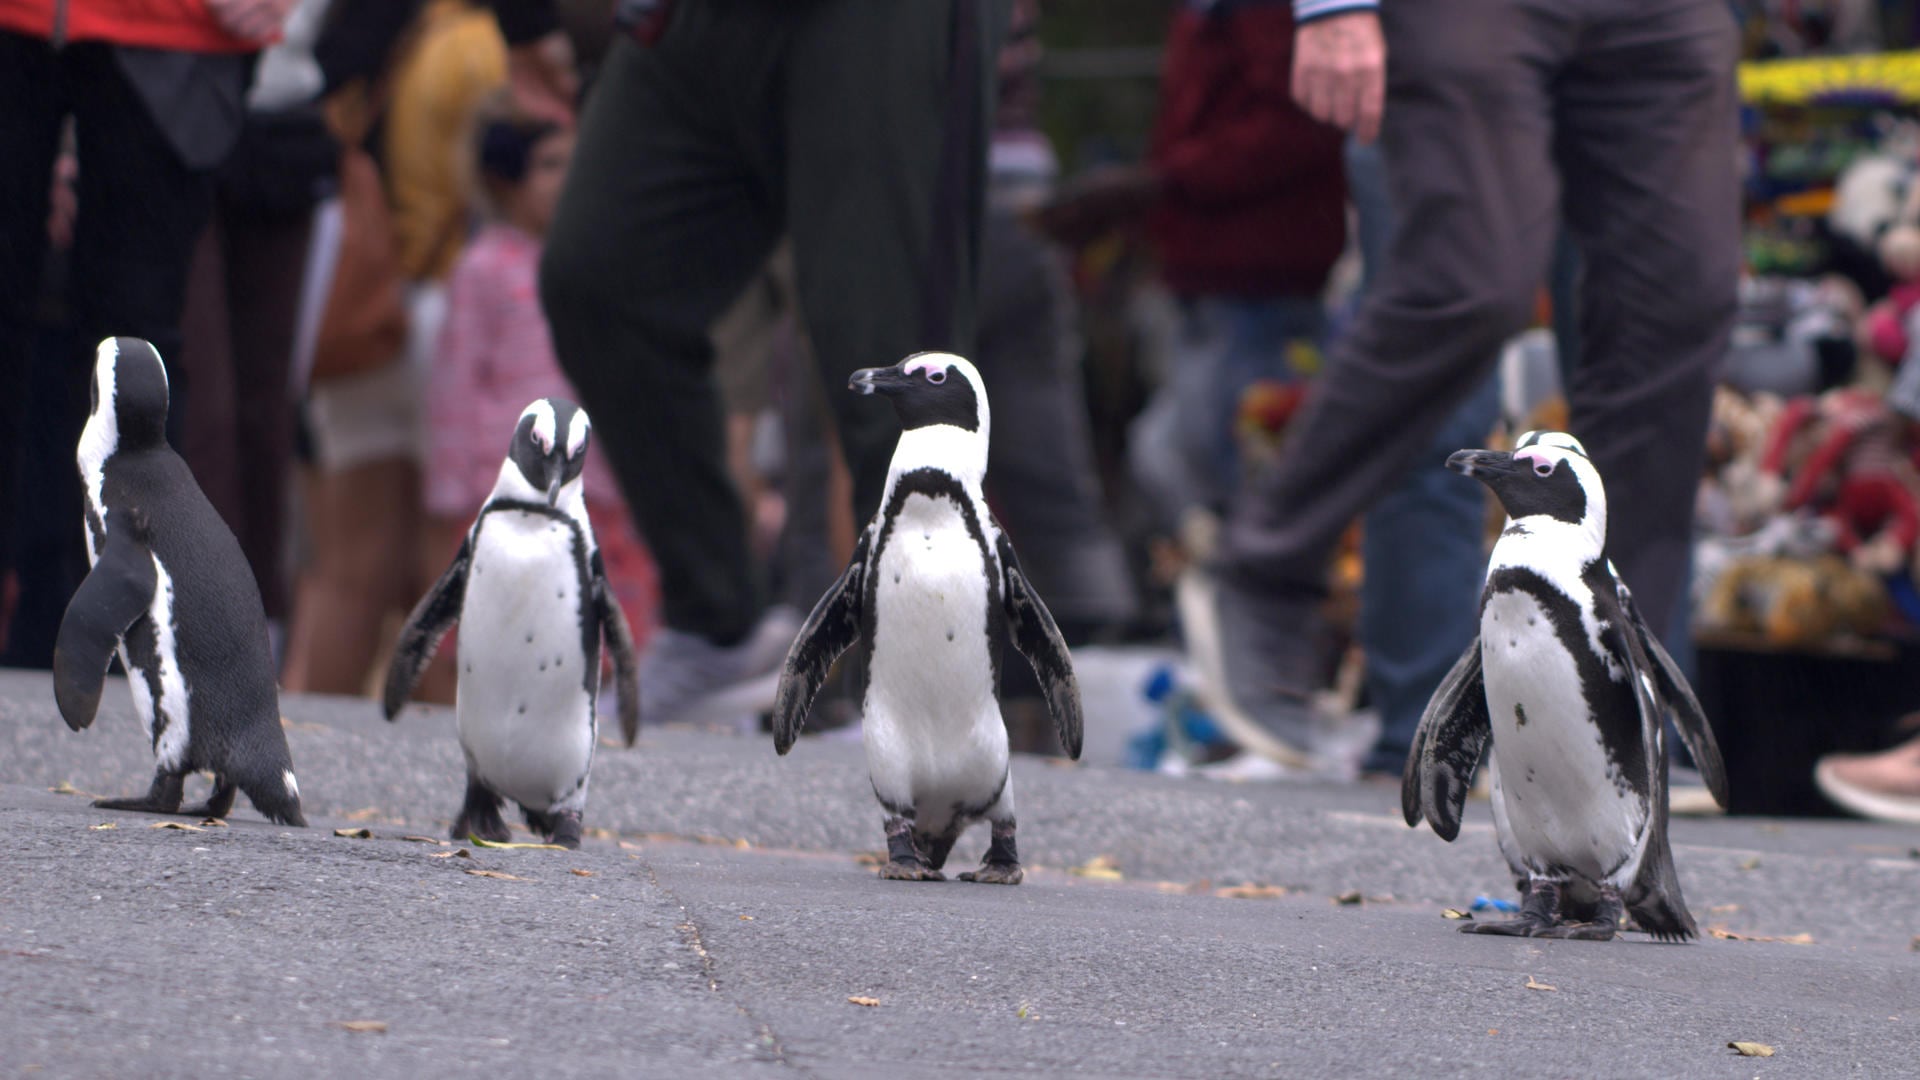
(719, 919)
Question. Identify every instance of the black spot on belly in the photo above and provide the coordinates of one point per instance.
(1520, 719)
(523, 708)
(949, 635)
(529, 639)
(543, 665)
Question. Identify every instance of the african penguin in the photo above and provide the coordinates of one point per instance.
(172, 594)
(532, 600)
(932, 583)
(1572, 689)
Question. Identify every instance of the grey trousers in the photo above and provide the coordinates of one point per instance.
(859, 128)
(1501, 115)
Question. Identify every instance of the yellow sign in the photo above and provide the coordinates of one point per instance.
(1875, 78)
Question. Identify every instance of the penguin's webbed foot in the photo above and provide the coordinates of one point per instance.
(1539, 912)
(1579, 931)
(895, 870)
(565, 829)
(480, 816)
(219, 802)
(995, 874)
(162, 798)
(1520, 927)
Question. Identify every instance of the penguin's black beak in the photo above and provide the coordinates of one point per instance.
(879, 380)
(1486, 466)
(556, 476)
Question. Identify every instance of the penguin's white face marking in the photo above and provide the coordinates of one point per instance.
(945, 419)
(99, 439)
(547, 454)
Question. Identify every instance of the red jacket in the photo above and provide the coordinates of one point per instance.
(186, 25)
(1255, 201)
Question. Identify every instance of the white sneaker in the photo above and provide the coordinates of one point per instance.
(684, 674)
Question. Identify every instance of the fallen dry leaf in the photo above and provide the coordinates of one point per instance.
(65, 788)
(181, 825)
(501, 874)
(1493, 1031)
(426, 840)
(867, 1001)
(1251, 892)
(1751, 864)
(355, 834)
(1350, 897)
(213, 823)
(599, 833)
(1915, 945)
(630, 845)
(1791, 939)
(1100, 866)
(373, 1027)
(1723, 909)
(1533, 984)
(581, 873)
(103, 826)
(477, 842)
(1751, 1049)
(365, 813)
(1456, 913)
(457, 853)
(746, 918)
(870, 858)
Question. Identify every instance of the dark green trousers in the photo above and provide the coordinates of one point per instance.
(859, 127)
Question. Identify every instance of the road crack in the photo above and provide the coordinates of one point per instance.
(770, 1044)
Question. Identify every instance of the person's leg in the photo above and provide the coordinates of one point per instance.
(1422, 545)
(661, 224)
(1040, 470)
(1467, 134)
(886, 121)
(29, 142)
(1647, 120)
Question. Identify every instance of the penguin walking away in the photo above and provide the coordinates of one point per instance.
(1571, 689)
(932, 583)
(172, 594)
(532, 600)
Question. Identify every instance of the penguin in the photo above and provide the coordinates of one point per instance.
(169, 592)
(1571, 689)
(932, 587)
(531, 596)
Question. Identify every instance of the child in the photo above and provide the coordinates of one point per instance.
(495, 355)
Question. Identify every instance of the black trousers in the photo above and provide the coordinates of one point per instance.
(856, 126)
(141, 209)
(1502, 115)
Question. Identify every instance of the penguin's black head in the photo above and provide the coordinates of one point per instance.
(928, 389)
(129, 392)
(1547, 473)
(550, 445)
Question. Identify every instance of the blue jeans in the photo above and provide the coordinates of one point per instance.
(1423, 545)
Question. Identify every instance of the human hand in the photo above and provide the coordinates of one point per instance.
(1340, 72)
(258, 21)
(542, 79)
(1096, 202)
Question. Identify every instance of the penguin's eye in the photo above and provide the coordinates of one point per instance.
(936, 376)
(1543, 468)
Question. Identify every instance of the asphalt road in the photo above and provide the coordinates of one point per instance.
(718, 921)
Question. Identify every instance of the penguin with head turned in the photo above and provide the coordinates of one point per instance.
(171, 593)
(1571, 689)
(532, 599)
(932, 585)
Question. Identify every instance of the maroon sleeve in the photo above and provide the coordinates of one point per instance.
(1264, 140)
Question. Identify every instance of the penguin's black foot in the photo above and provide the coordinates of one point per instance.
(162, 798)
(480, 816)
(565, 830)
(218, 805)
(894, 870)
(1579, 931)
(995, 874)
(1523, 926)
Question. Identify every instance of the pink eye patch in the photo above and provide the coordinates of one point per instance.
(1542, 464)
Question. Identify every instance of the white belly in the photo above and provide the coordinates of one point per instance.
(1561, 798)
(932, 727)
(525, 717)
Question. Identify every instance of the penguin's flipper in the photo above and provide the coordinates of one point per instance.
(1689, 719)
(829, 631)
(1032, 629)
(626, 669)
(116, 592)
(1446, 748)
(432, 617)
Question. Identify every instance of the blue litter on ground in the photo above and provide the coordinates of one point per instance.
(1483, 902)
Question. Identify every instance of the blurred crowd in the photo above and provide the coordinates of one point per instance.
(365, 233)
